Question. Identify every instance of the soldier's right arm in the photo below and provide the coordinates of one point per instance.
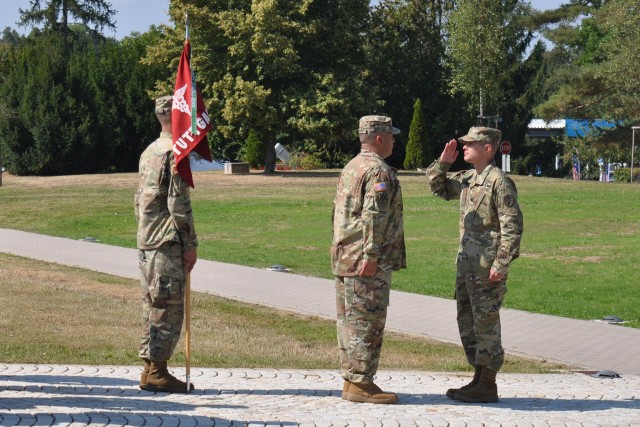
(442, 186)
(179, 204)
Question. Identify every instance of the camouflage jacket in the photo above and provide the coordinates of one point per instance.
(163, 201)
(367, 217)
(491, 222)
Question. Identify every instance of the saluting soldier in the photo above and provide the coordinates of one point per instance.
(490, 231)
(167, 251)
(368, 245)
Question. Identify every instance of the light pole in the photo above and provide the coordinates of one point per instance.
(633, 146)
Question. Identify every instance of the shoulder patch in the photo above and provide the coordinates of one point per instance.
(508, 200)
(380, 187)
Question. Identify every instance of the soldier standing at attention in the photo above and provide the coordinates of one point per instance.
(490, 231)
(167, 245)
(368, 244)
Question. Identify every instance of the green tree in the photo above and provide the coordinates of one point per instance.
(491, 66)
(288, 69)
(416, 153)
(54, 14)
(593, 74)
(405, 53)
(10, 36)
(120, 84)
(50, 123)
(253, 150)
(599, 76)
(82, 108)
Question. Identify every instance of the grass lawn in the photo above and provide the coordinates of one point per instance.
(67, 315)
(579, 256)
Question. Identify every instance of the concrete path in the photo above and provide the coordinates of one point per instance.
(583, 344)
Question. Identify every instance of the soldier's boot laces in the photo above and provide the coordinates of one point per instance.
(485, 391)
(159, 379)
(145, 374)
(476, 377)
(369, 393)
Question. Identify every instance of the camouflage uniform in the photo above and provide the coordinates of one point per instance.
(165, 230)
(367, 224)
(490, 230)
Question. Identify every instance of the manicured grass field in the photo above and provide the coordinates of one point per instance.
(580, 253)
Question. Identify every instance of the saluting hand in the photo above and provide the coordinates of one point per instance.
(450, 152)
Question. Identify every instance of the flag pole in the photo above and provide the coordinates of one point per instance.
(188, 330)
(188, 282)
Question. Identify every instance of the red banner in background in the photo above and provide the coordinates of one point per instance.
(184, 140)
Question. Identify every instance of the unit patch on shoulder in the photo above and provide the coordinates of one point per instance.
(508, 200)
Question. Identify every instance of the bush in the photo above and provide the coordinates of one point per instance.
(306, 161)
(253, 151)
(623, 174)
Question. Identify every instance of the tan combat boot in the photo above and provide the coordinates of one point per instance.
(485, 391)
(144, 374)
(369, 393)
(345, 389)
(476, 377)
(159, 379)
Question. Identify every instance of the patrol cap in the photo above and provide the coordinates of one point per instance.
(163, 104)
(489, 135)
(376, 124)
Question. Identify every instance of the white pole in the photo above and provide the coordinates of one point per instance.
(633, 146)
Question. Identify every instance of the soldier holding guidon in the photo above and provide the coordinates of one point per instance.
(167, 252)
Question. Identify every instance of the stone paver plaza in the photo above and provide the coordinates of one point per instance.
(43, 395)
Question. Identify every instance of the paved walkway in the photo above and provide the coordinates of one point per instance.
(106, 395)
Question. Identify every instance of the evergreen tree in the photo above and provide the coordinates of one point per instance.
(416, 156)
(50, 124)
(405, 49)
(54, 14)
(253, 150)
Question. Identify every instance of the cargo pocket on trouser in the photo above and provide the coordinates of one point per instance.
(167, 295)
(367, 316)
(486, 301)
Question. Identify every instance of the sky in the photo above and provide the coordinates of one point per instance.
(138, 15)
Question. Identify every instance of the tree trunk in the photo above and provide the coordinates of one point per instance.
(65, 26)
(270, 156)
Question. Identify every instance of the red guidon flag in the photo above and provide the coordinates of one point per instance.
(189, 123)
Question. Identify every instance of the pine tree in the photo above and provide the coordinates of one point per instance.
(253, 150)
(415, 157)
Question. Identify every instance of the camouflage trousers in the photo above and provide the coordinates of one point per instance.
(162, 283)
(479, 302)
(361, 304)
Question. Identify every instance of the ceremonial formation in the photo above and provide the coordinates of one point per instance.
(368, 245)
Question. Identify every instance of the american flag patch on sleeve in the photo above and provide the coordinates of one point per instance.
(380, 186)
